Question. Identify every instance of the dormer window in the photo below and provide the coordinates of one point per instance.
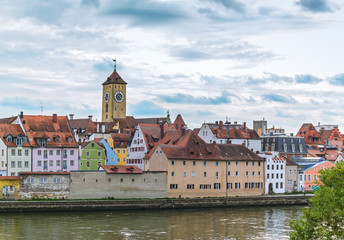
(69, 139)
(43, 142)
(9, 138)
(19, 141)
(57, 139)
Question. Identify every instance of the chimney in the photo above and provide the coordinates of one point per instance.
(21, 114)
(244, 125)
(54, 118)
(71, 116)
(221, 125)
(216, 122)
(235, 122)
(318, 123)
(90, 117)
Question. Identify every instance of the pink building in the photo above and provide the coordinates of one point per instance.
(53, 142)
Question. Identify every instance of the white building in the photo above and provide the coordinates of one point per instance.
(274, 172)
(230, 133)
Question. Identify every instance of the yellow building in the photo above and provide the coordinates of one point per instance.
(119, 143)
(114, 98)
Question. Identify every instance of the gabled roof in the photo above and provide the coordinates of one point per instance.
(14, 130)
(179, 122)
(8, 120)
(114, 78)
(120, 169)
(188, 145)
(329, 154)
(48, 127)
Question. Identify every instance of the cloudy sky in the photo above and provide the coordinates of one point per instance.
(206, 59)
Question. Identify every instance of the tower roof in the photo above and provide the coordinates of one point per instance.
(114, 78)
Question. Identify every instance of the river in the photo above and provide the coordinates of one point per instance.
(215, 223)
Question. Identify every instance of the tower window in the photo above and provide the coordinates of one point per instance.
(106, 108)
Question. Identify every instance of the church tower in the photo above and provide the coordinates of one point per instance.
(114, 97)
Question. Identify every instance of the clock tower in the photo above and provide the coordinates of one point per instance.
(114, 97)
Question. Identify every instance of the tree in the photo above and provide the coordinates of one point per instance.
(324, 218)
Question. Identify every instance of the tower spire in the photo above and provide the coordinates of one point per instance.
(114, 60)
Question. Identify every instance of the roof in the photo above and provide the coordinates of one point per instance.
(44, 173)
(114, 78)
(179, 122)
(14, 130)
(48, 127)
(10, 178)
(187, 145)
(8, 120)
(110, 169)
(291, 162)
(317, 164)
(154, 120)
(235, 133)
(328, 154)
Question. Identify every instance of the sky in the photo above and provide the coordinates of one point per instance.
(208, 60)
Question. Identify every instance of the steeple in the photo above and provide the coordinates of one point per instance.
(114, 67)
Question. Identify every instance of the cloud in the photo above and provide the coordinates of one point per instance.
(337, 79)
(189, 99)
(232, 4)
(140, 14)
(90, 3)
(273, 97)
(307, 78)
(316, 6)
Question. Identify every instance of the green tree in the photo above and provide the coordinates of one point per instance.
(324, 218)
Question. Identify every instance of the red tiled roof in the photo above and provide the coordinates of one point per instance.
(14, 130)
(291, 162)
(114, 78)
(10, 178)
(330, 154)
(44, 173)
(120, 169)
(235, 133)
(8, 120)
(179, 122)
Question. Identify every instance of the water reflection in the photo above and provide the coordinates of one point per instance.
(220, 223)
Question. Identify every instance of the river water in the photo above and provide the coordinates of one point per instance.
(216, 223)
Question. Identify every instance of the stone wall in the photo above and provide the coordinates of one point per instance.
(99, 184)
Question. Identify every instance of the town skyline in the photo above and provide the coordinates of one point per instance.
(206, 60)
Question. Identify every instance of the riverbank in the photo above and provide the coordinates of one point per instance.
(114, 205)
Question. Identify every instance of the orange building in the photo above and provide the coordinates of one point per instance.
(311, 175)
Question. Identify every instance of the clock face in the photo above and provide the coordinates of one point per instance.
(107, 97)
(119, 96)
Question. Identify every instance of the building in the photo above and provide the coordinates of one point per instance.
(111, 156)
(275, 167)
(291, 176)
(15, 150)
(224, 133)
(287, 146)
(260, 126)
(310, 176)
(119, 142)
(332, 137)
(114, 97)
(310, 134)
(44, 185)
(275, 131)
(53, 144)
(198, 169)
(92, 155)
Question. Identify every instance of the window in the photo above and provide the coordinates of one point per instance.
(253, 164)
(64, 164)
(64, 153)
(229, 173)
(281, 185)
(247, 173)
(58, 163)
(87, 164)
(236, 173)
(42, 143)
(26, 164)
(13, 152)
(30, 180)
(39, 163)
(72, 152)
(99, 154)
(44, 180)
(237, 163)
(205, 186)
(72, 162)
(268, 167)
(172, 163)
(309, 177)
(315, 177)
(45, 154)
(205, 174)
(57, 180)
(194, 163)
(276, 167)
(258, 164)
(39, 152)
(2, 152)
(276, 175)
(253, 173)
(184, 163)
(173, 186)
(281, 175)
(58, 152)
(190, 186)
(229, 186)
(26, 152)
(50, 152)
(217, 186)
(192, 174)
(184, 174)
(13, 164)
(247, 185)
(51, 163)
(281, 167)
(272, 175)
(237, 185)
(45, 165)
(246, 163)
(216, 163)
(172, 174)
(277, 185)
(217, 174)
(19, 152)
(205, 163)
(272, 167)
(229, 163)
(268, 176)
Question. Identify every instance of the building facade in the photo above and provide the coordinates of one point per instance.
(92, 155)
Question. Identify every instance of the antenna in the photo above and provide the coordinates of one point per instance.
(42, 107)
(114, 60)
